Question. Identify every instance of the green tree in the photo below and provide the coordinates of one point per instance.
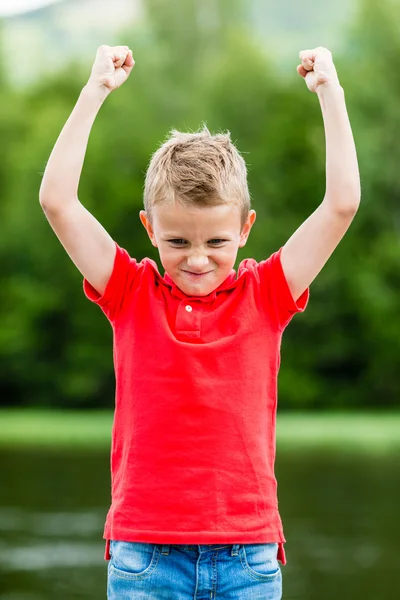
(192, 67)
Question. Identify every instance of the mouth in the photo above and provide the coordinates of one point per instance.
(196, 275)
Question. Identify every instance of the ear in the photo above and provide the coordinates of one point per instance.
(148, 227)
(247, 227)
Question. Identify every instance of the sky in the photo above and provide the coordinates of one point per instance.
(14, 7)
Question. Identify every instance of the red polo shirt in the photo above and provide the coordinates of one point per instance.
(193, 438)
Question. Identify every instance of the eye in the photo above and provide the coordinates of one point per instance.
(178, 242)
(216, 241)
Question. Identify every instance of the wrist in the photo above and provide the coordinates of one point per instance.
(95, 93)
(330, 87)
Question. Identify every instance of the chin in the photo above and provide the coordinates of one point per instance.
(196, 290)
(199, 292)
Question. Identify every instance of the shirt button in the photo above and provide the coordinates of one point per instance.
(189, 308)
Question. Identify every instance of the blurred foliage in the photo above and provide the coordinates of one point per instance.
(194, 66)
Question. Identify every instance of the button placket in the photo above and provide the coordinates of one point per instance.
(188, 319)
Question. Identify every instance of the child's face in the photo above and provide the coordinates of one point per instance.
(197, 245)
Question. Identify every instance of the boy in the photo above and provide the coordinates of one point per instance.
(194, 510)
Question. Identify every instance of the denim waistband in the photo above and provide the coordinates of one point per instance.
(201, 547)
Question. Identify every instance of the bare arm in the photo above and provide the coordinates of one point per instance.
(87, 243)
(308, 249)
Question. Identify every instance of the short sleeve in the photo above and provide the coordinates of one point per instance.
(123, 275)
(276, 293)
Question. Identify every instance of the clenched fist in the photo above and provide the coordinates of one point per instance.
(112, 67)
(317, 68)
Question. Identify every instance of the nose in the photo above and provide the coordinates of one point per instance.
(197, 262)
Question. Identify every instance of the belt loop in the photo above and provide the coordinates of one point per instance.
(235, 549)
(165, 548)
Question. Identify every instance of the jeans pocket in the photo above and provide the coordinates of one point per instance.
(260, 561)
(133, 560)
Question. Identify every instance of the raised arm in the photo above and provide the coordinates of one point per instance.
(308, 249)
(87, 243)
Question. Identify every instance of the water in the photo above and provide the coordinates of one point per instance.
(340, 514)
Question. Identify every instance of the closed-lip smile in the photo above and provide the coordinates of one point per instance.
(193, 273)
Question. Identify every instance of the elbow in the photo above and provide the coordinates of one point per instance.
(48, 204)
(346, 205)
(349, 209)
(43, 196)
(52, 201)
(48, 195)
(42, 201)
(45, 203)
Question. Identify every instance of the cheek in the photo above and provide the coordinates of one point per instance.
(169, 256)
(227, 257)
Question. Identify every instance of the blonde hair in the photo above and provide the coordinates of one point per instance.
(197, 168)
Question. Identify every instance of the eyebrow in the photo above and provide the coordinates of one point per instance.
(179, 235)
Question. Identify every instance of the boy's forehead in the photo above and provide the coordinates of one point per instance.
(174, 215)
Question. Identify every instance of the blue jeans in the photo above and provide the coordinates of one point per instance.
(145, 571)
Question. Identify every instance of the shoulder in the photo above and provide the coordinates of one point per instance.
(125, 261)
(260, 269)
(126, 277)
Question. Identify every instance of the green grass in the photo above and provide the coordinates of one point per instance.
(374, 432)
(41, 427)
(377, 432)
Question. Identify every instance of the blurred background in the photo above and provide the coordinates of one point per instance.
(230, 64)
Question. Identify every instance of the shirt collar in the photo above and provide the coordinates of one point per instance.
(228, 283)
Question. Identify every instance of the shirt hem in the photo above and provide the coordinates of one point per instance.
(203, 537)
